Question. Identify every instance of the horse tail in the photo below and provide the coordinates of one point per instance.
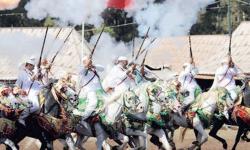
(182, 134)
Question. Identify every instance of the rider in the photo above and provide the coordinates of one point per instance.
(188, 83)
(29, 81)
(118, 81)
(90, 85)
(224, 77)
(120, 76)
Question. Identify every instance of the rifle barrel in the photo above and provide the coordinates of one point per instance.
(230, 44)
(54, 57)
(44, 40)
(190, 47)
(41, 55)
(151, 42)
(93, 50)
(137, 55)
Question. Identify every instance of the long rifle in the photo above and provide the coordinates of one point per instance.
(41, 55)
(151, 42)
(54, 41)
(93, 50)
(133, 45)
(58, 34)
(66, 39)
(190, 48)
(139, 51)
(230, 45)
(91, 56)
(144, 59)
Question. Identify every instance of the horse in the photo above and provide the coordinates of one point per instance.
(153, 96)
(10, 110)
(91, 127)
(7, 126)
(127, 121)
(134, 120)
(42, 125)
(200, 113)
(236, 118)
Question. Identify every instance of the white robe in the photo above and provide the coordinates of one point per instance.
(90, 83)
(25, 82)
(188, 82)
(119, 80)
(224, 77)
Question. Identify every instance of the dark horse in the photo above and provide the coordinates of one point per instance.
(234, 119)
(51, 122)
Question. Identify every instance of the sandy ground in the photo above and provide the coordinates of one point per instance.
(229, 135)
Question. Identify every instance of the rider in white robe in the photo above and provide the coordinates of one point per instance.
(224, 77)
(188, 82)
(90, 87)
(119, 80)
(28, 81)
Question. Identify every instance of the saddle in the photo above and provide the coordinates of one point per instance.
(136, 117)
(135, 121)
(7, 127)
(53, 125)
(241, 112)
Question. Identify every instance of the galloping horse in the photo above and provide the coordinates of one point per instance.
(50, 123)
(201, 112)
(239, 116)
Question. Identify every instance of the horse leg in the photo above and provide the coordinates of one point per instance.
(196, 142)
(162, 138)
(80, 139)
(8, 143)
(170, 137)
(141, 136)
(244, 137)
(46, 142)
(124, 139)
(202, 136)
(70, 142)
(101, 137)
(239, 133)
(155, 140)
(213, 132)
(46, 145)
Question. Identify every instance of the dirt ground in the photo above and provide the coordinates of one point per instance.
(228, 134)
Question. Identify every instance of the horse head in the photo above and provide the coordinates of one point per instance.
(65, 92)
(58, 94)
(154, 92)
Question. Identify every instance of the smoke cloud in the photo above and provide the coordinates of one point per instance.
(170, 18)
(8, 4)
(67, 11)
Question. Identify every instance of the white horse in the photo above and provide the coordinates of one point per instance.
(152, 96)
(201, 112)
(126, 111)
